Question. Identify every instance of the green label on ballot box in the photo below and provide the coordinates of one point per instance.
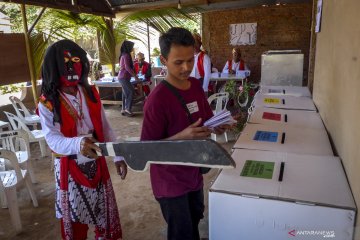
(258, 169)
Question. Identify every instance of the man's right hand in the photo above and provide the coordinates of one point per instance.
(88, 148)
(192, 132)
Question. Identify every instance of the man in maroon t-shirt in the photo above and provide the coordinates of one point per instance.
(178, 188)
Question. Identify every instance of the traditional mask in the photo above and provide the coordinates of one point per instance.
(72, 71)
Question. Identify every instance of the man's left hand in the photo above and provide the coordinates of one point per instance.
(121, 169)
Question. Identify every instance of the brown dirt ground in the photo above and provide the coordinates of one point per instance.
(139, 212)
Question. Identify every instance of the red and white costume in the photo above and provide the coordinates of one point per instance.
(202, 69)
(232, 65)
(84, 193)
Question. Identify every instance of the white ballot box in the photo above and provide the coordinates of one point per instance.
(294, 118)
(281, 196)
(280, 138)
(295, 91)
(284, 102)
(282, 67)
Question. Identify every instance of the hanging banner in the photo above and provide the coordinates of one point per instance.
(318, 16)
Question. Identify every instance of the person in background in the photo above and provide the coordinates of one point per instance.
(125, 73)
(202, 64)
(72, 119)
(178, 189)
(143, 68)
(236, 63)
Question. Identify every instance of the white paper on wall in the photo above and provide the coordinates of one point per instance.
(318, 16)
(243, 34)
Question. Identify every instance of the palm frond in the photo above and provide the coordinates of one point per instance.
(163, 19)
(39, 44)
(64, 24)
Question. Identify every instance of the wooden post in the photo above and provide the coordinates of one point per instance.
(98, 42)
(312, 51)
(29, 53)
(113, 36)
(148, 38)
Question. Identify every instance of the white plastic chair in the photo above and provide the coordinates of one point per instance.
(9, 181)
(18, 142)
(4, 125)
(221, 99)
(34, 135)
(23, 113)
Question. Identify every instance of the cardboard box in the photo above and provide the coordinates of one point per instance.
(313, 200)
(281, 138)
(294, 118)
(286, 90)
(284, 102)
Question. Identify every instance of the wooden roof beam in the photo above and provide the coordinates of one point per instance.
(79, 8)
(205, 5)
(155, 5)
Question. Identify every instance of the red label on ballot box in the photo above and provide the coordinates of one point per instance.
(272, 116)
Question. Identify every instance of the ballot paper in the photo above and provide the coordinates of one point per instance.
(222, 117)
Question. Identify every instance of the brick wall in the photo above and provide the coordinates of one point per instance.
(278, 27)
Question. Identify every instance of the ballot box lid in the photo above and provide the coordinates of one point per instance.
(295, 91)
(295, 118)
(280, 138)
(284, 102)
(306, 179)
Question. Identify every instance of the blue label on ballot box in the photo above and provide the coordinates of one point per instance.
(266, 136)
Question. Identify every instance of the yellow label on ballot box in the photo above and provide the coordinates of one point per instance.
(272, 100)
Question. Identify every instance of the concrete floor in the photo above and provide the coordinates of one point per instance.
(139, 212)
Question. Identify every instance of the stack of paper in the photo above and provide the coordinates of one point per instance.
(221, 118)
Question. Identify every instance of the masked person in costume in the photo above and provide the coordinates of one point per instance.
(72, 119)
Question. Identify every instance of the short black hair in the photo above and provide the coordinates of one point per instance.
(176, 36)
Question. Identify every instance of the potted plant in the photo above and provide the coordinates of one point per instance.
(239, 102)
